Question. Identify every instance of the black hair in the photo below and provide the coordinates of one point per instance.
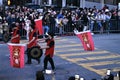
(51, 34)
(40, 75)
(32, 24)
(71, 78)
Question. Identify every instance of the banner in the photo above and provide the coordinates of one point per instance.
(86, 39)
(39, 27)
(16, 55)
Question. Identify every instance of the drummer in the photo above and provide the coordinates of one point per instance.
(15, 33)
(32, 42)
(49, 52)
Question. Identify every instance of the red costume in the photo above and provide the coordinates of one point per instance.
(49, 54)
(34, 42)
(15, 33)
(32, 34)
(50, 51)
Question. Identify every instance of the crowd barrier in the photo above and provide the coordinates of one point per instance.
(114, 27)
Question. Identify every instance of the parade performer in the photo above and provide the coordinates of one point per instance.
(49, 52)
(15, 33)
(32, 42)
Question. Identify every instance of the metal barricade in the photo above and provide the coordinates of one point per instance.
(113, 27)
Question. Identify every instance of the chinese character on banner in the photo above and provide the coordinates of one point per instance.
(86, 39)
(16, 55)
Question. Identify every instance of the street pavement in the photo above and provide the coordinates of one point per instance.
(70, 59)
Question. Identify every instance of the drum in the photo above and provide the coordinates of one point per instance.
(35, 52)
(6, 37)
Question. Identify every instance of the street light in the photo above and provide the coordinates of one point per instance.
(8, 2)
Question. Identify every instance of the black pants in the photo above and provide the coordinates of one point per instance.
(46, 59)
(28, 55)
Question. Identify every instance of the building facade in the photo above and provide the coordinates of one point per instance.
(80, 3)
(64, 3)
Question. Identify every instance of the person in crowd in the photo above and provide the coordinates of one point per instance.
(27, 28)
(59, 22)
(71, 78)
(91, 19)
(5, 26)
(46, 22)
(32, 42)
(84, 19)
(107, 21)
(108, 76)
(99, 19)
(15, 33)
(40, 75)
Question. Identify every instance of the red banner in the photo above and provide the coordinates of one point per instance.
(16, 55)
(86, 39)
(39, 27)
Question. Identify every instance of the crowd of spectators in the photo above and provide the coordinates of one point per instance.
(59, 21)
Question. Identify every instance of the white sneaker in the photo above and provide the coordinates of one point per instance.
(92, 33)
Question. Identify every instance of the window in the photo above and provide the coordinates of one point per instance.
(96, 1)
(109, 2)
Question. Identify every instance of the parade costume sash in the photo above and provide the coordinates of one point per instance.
(86, 39)
(16, 55)
(38, 26)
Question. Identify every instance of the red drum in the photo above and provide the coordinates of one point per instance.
(16, 55)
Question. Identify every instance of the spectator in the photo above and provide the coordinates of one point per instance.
(107, 22)
(40, 75)
(71, 78)
(46, 22)
(84, 19)
(27, 28)
(59, 22)
(92, 19)
(99, 21)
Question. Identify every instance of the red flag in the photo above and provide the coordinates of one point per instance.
(38, 26)
(16, 55)
(86, 39)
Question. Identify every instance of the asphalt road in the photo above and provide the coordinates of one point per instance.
(70, 59)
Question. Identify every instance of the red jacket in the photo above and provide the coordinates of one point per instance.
(50, 50)
(15, 32)
(34, 42)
